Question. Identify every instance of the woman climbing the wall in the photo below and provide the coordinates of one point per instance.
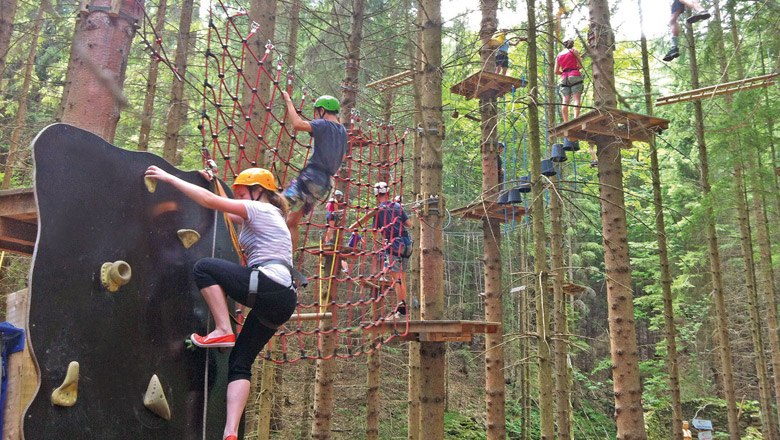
(265, 284)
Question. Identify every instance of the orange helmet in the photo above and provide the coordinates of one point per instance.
(256, 176)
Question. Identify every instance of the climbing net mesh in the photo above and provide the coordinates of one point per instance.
(348, 307)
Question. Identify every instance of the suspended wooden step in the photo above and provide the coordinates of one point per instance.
(718, 89)
(490, 209)
(570, 288)
(393, 81)
(18, 221)
(611, 123)
(436, 331)
(483, 82)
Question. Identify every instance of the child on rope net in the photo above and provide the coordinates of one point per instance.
(391, 222)
(333, 215)
(678, 6)
(265, 284)
(330, 145)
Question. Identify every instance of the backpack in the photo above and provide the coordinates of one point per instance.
(402, 246)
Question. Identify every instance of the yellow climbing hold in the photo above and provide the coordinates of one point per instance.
(150, 183)
(155, 400)
(115, 275)
(67, 393)
(188, 237)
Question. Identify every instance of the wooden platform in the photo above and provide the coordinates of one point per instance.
(484, 82)
(393, 81)
(18, 221)
(437, 331)
(485, 208)
(598, 125)
(718, 89)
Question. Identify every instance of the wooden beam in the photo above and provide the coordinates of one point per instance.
(435, 331)
(16, 231)
(718, 89)
(311, 316)
(22, 372)
(18, 204)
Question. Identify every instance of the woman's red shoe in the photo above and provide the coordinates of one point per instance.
(216, 342)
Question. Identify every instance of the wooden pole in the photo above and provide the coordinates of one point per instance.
(721, 314)
(432, 354)
(629, 415)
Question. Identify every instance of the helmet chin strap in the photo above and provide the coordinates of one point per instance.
(256, 199)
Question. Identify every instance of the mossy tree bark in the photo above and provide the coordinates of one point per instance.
(557, 270)
(93, 96)
(350, 82)
(414, 45)
(432, 354)
(147, 113)
(20, 120)
(7, 14)
(622, 330)
(177, 111)
(491, 233)
(757, 182)
(721, 316)
(670, 328)
(543, 334)
(768, 425)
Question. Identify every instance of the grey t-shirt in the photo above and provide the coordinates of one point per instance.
(264, 236)
(330, 145)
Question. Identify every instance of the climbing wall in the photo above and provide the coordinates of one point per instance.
(94, 208)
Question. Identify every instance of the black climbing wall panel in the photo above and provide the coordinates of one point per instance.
(93, 207)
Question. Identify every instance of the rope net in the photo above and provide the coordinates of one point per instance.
(348, 308)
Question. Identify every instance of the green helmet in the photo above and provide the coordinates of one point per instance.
(327, 102)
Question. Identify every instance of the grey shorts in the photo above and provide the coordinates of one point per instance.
(571, 85)
(308, 189)
(392, 262)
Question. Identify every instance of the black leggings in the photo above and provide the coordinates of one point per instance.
(275, 303)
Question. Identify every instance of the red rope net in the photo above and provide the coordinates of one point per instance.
(348, 308)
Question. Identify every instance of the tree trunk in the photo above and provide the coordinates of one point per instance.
(432, 354)
(326, 368)
(491, 233)
(414, 48)
(544, 341)
(670, 328)
(292, 38)
(147, 114)
(766, 271)
(350, 82)
(768, 426)
(96, 70)
(265, 382)
(304, 429)
(7, 14)
(560, 322)
(20, 121)
(721, 316)
(177, 112)
(263, 13)
(620, 299)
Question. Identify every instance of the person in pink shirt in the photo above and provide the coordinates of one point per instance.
(568, 66)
